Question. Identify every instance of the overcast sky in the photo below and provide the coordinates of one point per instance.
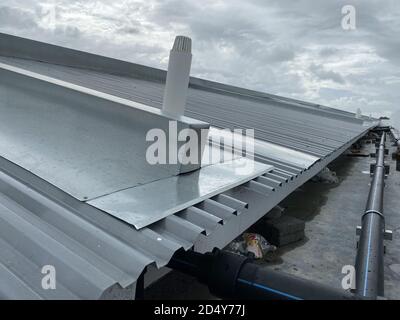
(291, 48)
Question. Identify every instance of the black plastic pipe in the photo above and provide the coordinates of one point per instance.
(257, 283)
(369, 259)
(231, 276)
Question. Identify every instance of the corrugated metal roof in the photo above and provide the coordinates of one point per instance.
(93, 251)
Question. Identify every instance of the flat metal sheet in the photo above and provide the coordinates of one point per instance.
(87, 144)
(143, 205)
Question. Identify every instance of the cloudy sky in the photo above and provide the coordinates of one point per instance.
(291, 48)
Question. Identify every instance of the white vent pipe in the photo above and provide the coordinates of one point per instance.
(180, 60)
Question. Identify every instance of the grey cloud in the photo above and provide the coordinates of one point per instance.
(323, 74)
(328, 51)
(129, 30)
(16, 18)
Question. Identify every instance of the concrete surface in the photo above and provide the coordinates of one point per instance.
(332, 213)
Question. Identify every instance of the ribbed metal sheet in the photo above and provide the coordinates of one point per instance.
(91, 250)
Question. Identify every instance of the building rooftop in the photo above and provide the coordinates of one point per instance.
(68, 190)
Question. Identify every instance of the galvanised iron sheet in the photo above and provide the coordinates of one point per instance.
(145, 204)
(86, 143)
